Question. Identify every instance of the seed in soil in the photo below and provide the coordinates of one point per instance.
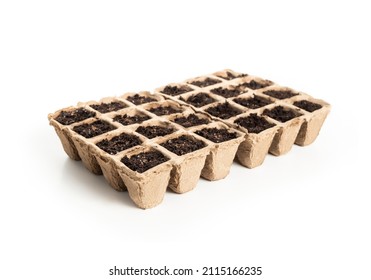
(153, 131)
(254, 123)
(252, 102)
(176, 90)
(223, 111)
(191, 120)
(164, 110)
(138, 99)
(144, 161)
(183, 145)
(200, 99)
(93, 129)
(217, 135)
(280, 94)
(205, 83)
(70, 117)
(307, 105)
(128, 120)
(108, 107)
(119, 143)
(226, 92)
(281, 114)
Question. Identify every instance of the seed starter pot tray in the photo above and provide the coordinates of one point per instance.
(145, 143)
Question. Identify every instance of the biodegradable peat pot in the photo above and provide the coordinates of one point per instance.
(82, 136)
(315, 112)
(62, 120)
(289, 119)
(104, 147)
(223, 142)
(110, 173)
(189, 154)
(259, 134)
(146, 187)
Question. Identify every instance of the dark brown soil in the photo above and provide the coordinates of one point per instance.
(93, 129)
(254, 123)
(191, 120)
(183, 145)
(200, 99)
(138, 99)
(144, 161)
(108, 107)
(119, 143)
(252, 102)
(281, 114)
(280, 94)
(231, 76)
(307, 105)
(217, 135)
(176, 90)
(223, 111)
(164, 110)
(154, 131)
(128, 120)
(70, 117)
(225, 92)
(205, 83)
(256, 85)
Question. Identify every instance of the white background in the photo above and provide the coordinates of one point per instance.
(305, 215)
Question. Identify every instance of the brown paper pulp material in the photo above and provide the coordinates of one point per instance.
(146, 189)
(221, 156)
(186, 168)
(213, 162)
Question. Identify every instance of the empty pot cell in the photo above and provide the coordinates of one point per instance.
(227, 92)
(256, 84)
(199, 100)
(281, 114)
(252, 102)
(164, 110)
(77, 115)
(286, 136)
(152, 131)
(227, 75)
(254, 123)
(138, 99)
(176, 90)
(89, 130)
(108, 107)
(119, 143)
(204, 82)
(146, 177)
(307, 105)
(253, 150)
(190, 120)
(187, 169)
(220, 158)
(223, 111)
(129, 120)
(280, 94)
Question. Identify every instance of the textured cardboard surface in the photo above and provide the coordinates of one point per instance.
(213, 162)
